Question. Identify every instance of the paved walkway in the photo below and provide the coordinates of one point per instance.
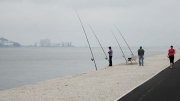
(163, 87)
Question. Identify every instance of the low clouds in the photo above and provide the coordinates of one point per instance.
(145, 22)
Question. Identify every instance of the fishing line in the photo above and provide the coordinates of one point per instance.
(98, 41)
(125, 41)
(119, 47)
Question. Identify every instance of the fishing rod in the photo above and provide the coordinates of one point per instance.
(177, 46)
(119, 46)
(99, 42)
(87, 39)
(125, 41)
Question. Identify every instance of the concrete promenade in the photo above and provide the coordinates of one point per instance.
(163, 87)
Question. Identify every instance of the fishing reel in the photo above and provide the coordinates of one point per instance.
(106, 58)
(92, 59)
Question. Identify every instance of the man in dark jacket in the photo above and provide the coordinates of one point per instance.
(141, 56)
(110, 56)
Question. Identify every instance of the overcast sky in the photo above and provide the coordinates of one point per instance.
(142, 22)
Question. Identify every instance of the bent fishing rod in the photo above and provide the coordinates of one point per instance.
(125, 41)
(98, 41)
(87, 39)
(119, 47)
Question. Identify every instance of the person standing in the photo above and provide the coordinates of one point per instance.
(171, 53)
(141, 56)
(110, 56)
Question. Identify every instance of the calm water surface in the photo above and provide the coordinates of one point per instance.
(24, 66)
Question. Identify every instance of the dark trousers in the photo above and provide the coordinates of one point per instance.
(171, 58)
(110, 60)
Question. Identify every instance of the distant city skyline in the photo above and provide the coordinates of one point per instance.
(47, 43)
(142, 22)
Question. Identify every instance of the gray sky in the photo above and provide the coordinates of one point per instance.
(142, 22)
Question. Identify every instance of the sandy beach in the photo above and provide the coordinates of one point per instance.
(106, 84)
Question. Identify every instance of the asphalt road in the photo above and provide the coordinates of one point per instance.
(165, 86)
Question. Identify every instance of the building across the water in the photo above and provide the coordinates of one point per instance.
(67, 44)
(8, 43)
(63, 44)
(45, 43)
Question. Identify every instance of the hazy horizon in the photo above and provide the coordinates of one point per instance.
(142, 22)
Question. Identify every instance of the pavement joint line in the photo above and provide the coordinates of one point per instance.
(163, 79)
(146, 93)
(137, 86)
(152, 88)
